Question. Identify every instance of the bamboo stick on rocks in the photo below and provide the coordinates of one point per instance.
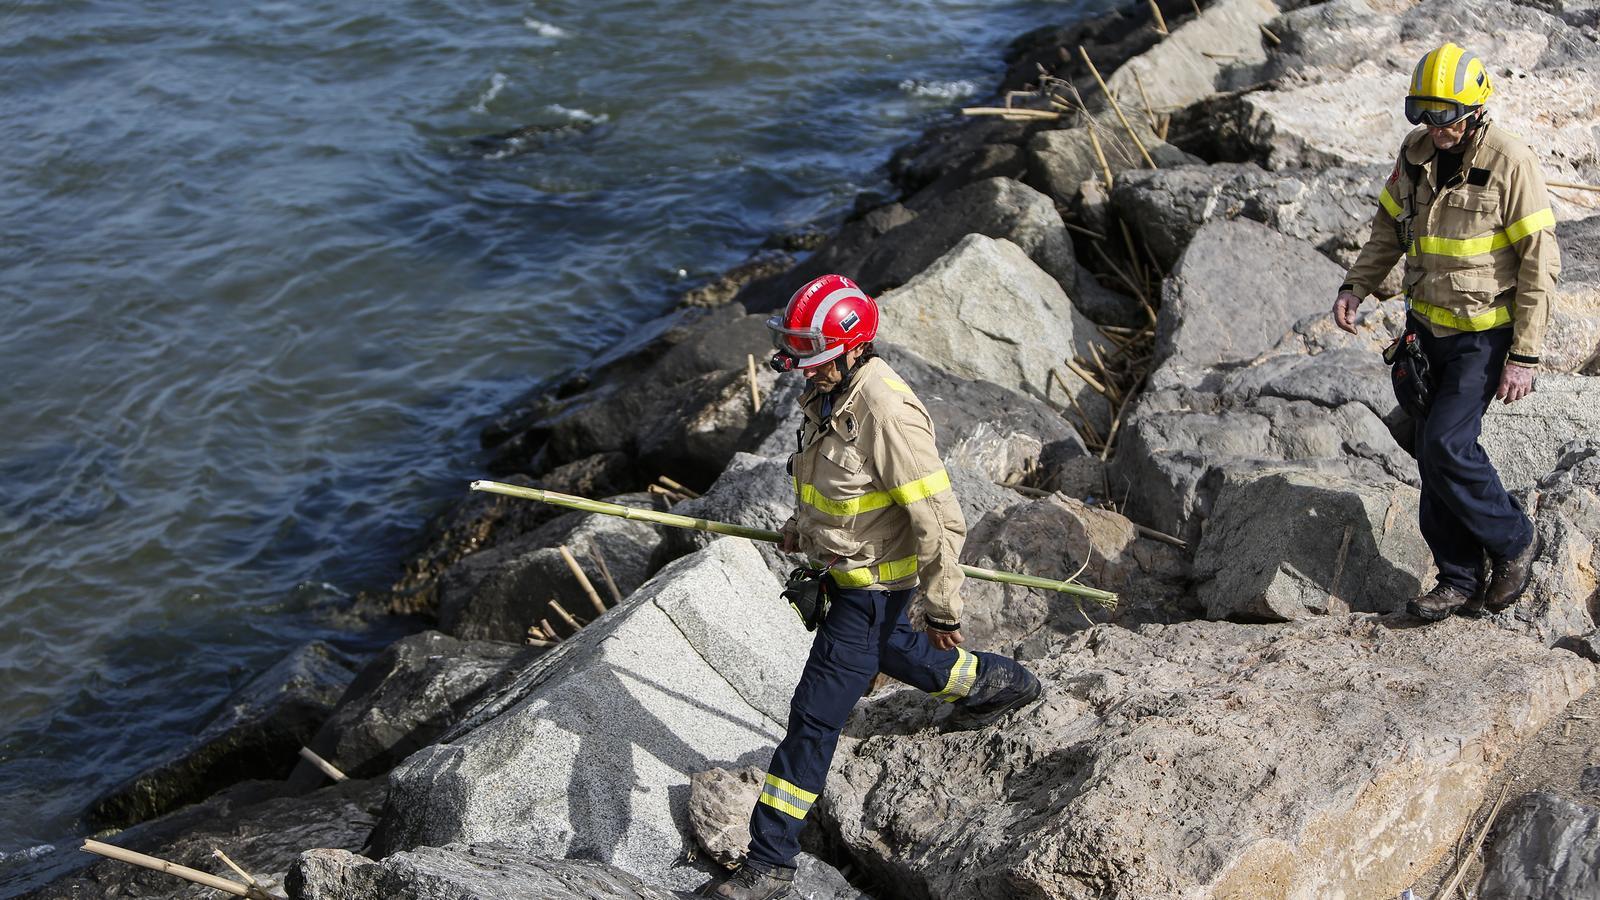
(547, 628)
(1107, 599)
(1100, 154)
(248, 879)
(583, 580)
(111, 851)
(566, 617)
(1149, 113)
(1009, 112)
(673, 485)
(1573, 185)
(1116, 107)
(1161, 22)
(327, 768)
(1084, 231)
(755, 391)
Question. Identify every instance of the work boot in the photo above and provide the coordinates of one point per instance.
(1507, 580)
(1003, 685)
(1438, 603)
(755, 881)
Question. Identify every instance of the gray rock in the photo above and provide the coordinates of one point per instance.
(588, 751)
(1061, 161)
(892, 252)
(1330, 379)
(1237, 290)
(1588, 647)
(257, 734)
(753, 491)
(499, 593)
(1287, 545)
(1103, 306)
(404, 699)
(1589, 781)
(985, 311)
(1525, 439)
(1185, 66)
(1543, 846)
(260, 831)
(463, 872)
(1572, 340)
(1557, 605)
(1330, 208)
(1336, 755)
(1175, 440)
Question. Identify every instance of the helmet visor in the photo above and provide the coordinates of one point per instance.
(1438, 112)
(806, 346)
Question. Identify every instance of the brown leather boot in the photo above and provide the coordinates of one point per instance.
(754, 881)
(1438, 603)
(1508, 579)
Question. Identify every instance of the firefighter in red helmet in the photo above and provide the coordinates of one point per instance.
(875, 507)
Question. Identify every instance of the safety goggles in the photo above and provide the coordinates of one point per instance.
(1436, 112)
(799, 348)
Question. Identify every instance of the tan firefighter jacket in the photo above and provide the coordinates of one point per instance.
(1480, 251)
(872, 497)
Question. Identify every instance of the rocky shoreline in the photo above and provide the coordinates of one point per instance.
(1133, 376)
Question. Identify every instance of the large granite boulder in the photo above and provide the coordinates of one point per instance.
(476, 871)
(754, 491)
(1184, 67)
(257, 732)
(1061, 160)
(1572, 342)
(1177, 442)
(985, 311)
(1543, 846)
(1330, 757)
(1525, 438)
(497, 594)
(1330, 208)
(1237, 290)
(1331, 378)
(588, 752)
(1286, 545)
(404, 699)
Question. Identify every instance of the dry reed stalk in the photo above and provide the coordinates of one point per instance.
(674, 486)
(327, 768)
(1161, 22)
(755, 391)
(1008, 113)
(248, 879)
(1087, 378)
(1572, 185)
(196, 876)
(1084, 231)
(1116, 107)
(1149, 113)
(1105, 372)
(550, 630)
(583, 580)
(565, 616)
(605, 573)
(1100, 154)
(1270, 36)
(1477, 843)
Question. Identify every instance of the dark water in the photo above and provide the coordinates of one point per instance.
(260, 283)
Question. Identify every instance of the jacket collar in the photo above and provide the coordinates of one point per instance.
(1419, 148)
(844, 396)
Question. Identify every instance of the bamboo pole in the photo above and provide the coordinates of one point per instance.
(1161, 22)
(1573, 185)
(1087, 378)
(605, 573)
(533, 640)
(547, 628)
(1196, 5)
(1107, 599)
(1115, 107)
(1084, 231)
(583, 580)
(1270, 36)
(1009, 112)
(1477, 843)
(327, 768)
(196, 876)
(755, 391)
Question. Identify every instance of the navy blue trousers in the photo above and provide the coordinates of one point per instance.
(1465, 512)
(865, 632)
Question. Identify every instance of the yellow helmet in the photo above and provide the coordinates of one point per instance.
(1448, 83)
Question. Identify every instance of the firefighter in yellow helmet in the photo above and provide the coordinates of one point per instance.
(1466, 207)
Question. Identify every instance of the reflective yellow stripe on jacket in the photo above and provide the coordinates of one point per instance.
(905, 495)
(1438, 315)
(1487, 243)
(883, 573)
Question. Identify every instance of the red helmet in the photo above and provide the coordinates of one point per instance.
(823, 320)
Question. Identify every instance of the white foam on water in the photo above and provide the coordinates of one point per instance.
(30, 853)
(577, 115)
(940, 90)
(497, 83)
(543, 29)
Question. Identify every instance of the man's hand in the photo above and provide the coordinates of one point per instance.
(944, 640)
(791, 537)
(1516, 382)
(1344, 310)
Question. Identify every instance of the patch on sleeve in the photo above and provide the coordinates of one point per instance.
(1395, 175)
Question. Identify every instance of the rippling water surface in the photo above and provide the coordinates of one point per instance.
(260, 279)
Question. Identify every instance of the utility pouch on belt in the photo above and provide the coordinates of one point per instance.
(1408, 372)
(807, 592)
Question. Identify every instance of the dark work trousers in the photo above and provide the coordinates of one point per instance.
(866, 632)
(1465, 512)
